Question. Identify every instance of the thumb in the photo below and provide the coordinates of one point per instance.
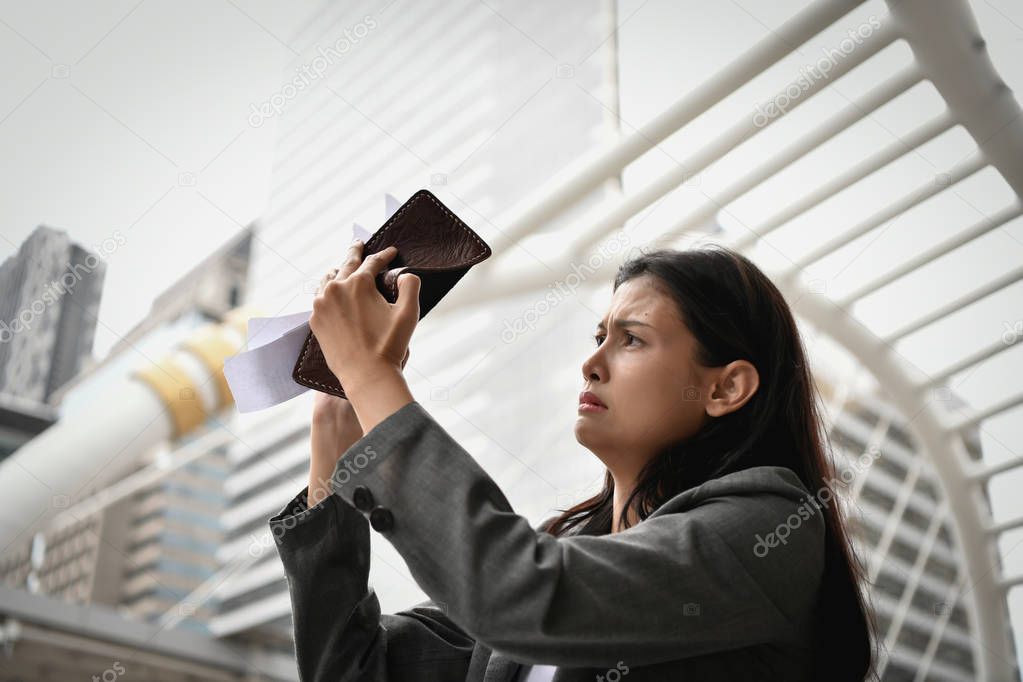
(408, 295)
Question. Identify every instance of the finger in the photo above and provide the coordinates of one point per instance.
(353, 258)
(408, 296)
(331, 274)
(375, 262)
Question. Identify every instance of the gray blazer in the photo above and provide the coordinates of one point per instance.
(718, 583)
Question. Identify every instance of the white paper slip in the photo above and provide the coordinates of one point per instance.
(263, 330)
(261, 376)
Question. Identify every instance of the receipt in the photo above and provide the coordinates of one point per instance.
(261, 376)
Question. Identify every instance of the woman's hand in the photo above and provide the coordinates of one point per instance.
(335, 426)
(361, 334)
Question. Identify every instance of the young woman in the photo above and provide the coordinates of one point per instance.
(714, 551)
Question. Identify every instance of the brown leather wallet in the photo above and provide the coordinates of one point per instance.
(432, 243)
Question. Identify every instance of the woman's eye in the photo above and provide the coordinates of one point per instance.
(600, 337)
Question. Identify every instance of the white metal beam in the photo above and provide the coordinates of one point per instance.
(949, 52)
(868, 166)
(590, 172)
(918, 260)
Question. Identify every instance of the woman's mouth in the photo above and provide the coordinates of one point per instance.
(589, 402)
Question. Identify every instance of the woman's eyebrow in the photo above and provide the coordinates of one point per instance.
(625, 323)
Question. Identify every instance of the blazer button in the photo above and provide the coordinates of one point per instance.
(381, 519)
(362, 498)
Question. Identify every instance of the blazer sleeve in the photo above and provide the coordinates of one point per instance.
(673, 586)
(339, 632)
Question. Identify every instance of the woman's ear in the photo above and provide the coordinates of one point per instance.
(734, 385)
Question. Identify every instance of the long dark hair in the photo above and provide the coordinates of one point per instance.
(735, 312)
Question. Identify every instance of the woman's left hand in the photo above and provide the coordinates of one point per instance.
(361, 334)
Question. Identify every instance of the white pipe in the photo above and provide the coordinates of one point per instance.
(957, 303)
(82, 452)
(589, 172)
(140, 480)
(858, 171)
(918, 260)
(956, 174)
(852, 113)
(102, 442)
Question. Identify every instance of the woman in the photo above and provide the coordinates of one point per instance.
(715, 550)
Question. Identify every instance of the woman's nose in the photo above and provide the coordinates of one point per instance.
(591, 371)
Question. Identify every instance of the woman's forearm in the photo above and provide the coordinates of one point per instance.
(371, 400)
(319, 482)
(327, 442)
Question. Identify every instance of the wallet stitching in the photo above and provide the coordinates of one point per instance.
(458, 221)
(305, 352)
(390, 223)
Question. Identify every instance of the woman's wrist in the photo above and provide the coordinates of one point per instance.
(321, 484)
(331, 413)
(329, 440)
(378, 394)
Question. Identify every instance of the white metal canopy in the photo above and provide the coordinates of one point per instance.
(949, 52)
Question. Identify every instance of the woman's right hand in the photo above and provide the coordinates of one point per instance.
(335, 428)
(334, 415)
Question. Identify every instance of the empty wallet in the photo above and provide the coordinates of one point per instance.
(432, 243)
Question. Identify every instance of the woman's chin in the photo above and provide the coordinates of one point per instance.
(585, 430)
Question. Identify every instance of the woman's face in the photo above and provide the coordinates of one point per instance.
(644, 371)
